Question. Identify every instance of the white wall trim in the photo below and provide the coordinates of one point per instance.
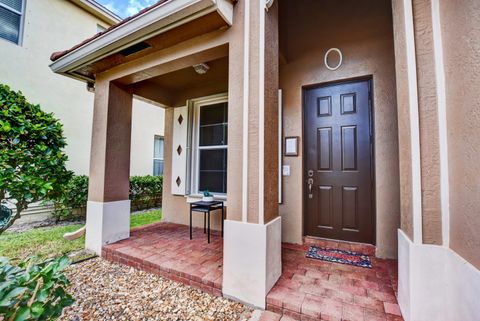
(246, 84)
(107, 222)
(98, 10)
(435, 283)
(414, 122)
(280, 146)
(442, 121)
(261, 116)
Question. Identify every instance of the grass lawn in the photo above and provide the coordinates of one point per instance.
(145, 218)
(49, 242)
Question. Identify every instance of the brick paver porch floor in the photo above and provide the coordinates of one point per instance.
(166, 249)
(317, 290)
(307, 290)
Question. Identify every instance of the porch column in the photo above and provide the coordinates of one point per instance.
(108, 206)
(252, 241)
(424, 234)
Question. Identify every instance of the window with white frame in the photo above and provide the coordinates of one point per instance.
(210, 146)
(158, 156)
(11, 19)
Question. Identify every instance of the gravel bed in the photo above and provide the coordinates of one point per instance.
(108, 291)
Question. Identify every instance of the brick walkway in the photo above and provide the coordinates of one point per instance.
(307, 290)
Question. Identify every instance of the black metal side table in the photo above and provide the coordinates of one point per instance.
(206, 208)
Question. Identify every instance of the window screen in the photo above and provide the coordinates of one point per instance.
(13, 4)
(10, 19)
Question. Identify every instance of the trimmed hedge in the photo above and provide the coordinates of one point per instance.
(145, 193)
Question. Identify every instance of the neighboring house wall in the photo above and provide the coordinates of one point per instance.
(364, 34)
(52, 25)
(147, 121)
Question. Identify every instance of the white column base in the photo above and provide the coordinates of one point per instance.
(252, 260)
(435, 283)
(106, 223)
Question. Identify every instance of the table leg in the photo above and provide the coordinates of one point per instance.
(223, 218)
(190, 221)
(208, 226)
(204, 222)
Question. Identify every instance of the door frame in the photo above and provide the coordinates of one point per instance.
(371, 114)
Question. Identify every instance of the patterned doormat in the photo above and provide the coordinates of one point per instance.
(339, 256)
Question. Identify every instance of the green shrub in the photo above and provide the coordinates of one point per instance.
(73, 203)
(145, 193)
(33, 291)
(32, 160)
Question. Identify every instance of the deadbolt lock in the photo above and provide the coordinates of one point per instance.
(310, 173)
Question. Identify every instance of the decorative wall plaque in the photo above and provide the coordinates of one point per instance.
(340, 56)
(291, 146)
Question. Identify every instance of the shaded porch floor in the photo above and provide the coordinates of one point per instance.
(307, 290)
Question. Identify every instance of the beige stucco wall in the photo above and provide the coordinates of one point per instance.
(428, 122)
(461, 33)
(364, 34)
(53, 25)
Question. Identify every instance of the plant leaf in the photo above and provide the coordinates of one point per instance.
(7, 299)
(23, 313)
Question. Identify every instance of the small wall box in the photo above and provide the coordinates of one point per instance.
(291, 146)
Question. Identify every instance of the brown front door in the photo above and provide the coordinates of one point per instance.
(338, 165)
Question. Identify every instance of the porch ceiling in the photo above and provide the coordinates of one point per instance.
(163, 25)
(185, 78)
(174, 88)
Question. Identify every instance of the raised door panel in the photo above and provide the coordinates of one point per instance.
(325, 205)
(349, 148)
(324, 149)
(350, 217)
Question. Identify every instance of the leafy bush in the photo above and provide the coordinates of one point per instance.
(33, 291)
(145, 193)
(73, 202)
(32, 160)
